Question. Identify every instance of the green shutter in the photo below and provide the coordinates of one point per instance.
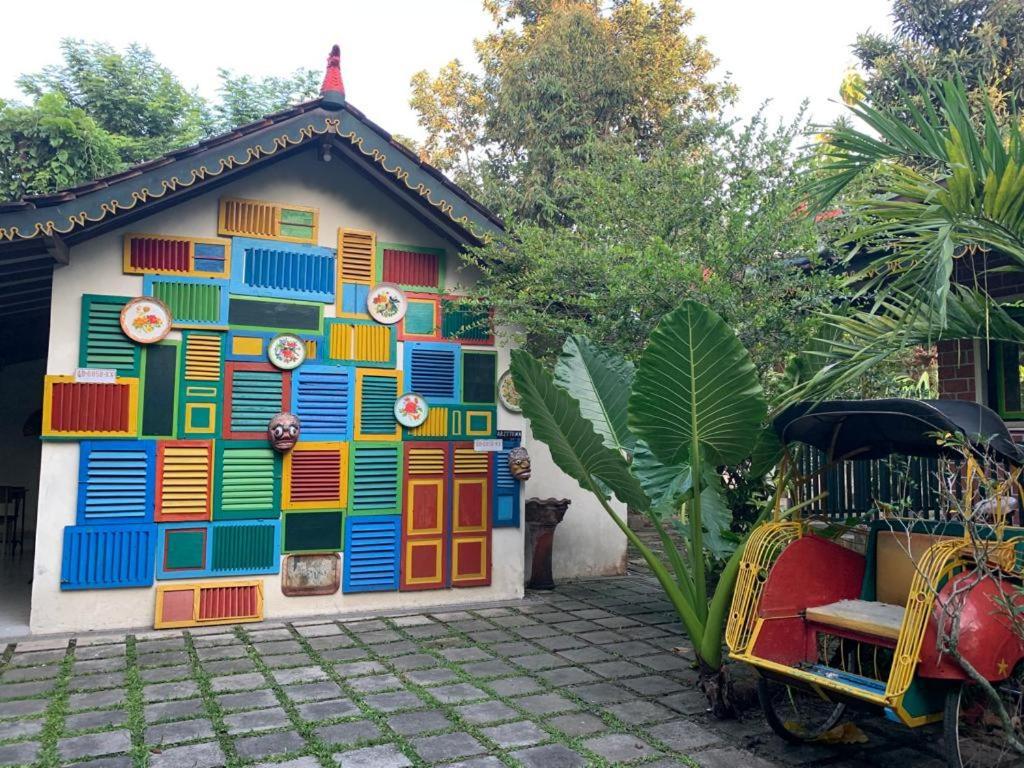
(248, 481)
(374, 478)
(245, 548)
(103, 343)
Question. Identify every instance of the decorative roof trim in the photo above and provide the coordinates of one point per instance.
(253, 152)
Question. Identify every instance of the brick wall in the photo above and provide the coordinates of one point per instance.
(956, 370)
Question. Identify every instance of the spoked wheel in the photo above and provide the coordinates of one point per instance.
(976, 736)
(795, 714)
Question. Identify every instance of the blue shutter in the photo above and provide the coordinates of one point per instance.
(322, 399)
(105, 557)
(374, 478)
(282, 270)
(115, 482)
(506, 487)
(371, 553)
(432, 370)
(353, 299)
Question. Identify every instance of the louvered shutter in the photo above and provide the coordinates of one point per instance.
(315, 476)
(365, 343)
(77, 409)
(203, 356)
(465, 324)
(371, 561)
(376, 392)
(255, 393)
(425, 516)
(471, 516)
(408, 266)
(190, 605)
(107, 557)
(322, 399)
(374, 478)
(506, 487)
(432, 370)
(169, 255)
(436, 425)
(195, 302)
(244, 548)
(103, 343)
(115, 482)
(248, 481)
(278, 221)
(184, 480)
(283, 270)
(357, 251)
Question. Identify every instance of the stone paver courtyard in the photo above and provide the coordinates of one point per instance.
(582, 676)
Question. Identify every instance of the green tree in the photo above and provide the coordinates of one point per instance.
(137, 101)
(51, 145)
(244, 98)
(980, 41)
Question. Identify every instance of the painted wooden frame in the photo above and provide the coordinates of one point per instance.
(471, 498)
(432, 304)
(175, 599)
(381, 272)
(365, 343)
(107, 325)
(293, 518)
(145, 380)
(266, 220)
(427, 351)
(316, 265)
(447, 335)
(372, 561)
(368, 493)
(199, 254)
(473, 421)
(86, 562)
(230, 388)
(184, 480)
(507, 489)
(321, 493)
(116, 482)
(425, 516)
(434, 428)
(357, 271)
(324, 398)
(235, 303)
(79, 408)
(468, 355)
(214, 557)
(248, 481)
(363, 408)
(251, 346)
(165, 289)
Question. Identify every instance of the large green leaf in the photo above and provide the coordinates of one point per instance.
(696, 386)
(600, 380)
(576, 448)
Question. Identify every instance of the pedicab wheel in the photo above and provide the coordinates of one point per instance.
(973, 731)
(795, 714)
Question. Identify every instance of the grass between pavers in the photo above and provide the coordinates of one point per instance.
(56, 712)
(135, 719)
(211, 706)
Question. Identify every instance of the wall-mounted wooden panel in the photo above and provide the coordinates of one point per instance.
(472, 489)
(253, 394)
(170, 255)
(233, 548)
(159, 389)
(374, 478)
(107, 556)
(316, 476)
(319, 531)
(195, 302)
(323, 399)
(274, 221)
(372, 553)
(432, 370)
(184, 480)
(376, 392)
(506, 487)
(277, 316)
(115, 482)
(411, 266)
(465, 323)
(422, 321)
(425, 525)
(248, 481)
(103, 343)
(357, 249)
(364, 343)
(479, 376)
(283, 270)
(74, 409)
(203, 356)
(218, 602)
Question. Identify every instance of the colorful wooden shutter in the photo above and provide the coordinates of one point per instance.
(203, 356)
(422, 321)
(248, 481)
(435, 427)
(319, 531)
(278, 316)
(432, 370)
(115, 482)
(184, 484)
(274, 221)
(192, 605)
(315, 476)
(245, 548)
(357, 250)
(159, 415)
(195, 302)
(506, 487)
(254, 394)
(322, 398)
(365, 343)
(352, 299)
(412, 266)
(376, 392)
(465, 323)
(284, 270)
(169, 255)
(107, 557)
(251, 346)
(200, 387)
(183, 550)
(475, 421)
(479, 376)
(374, 482)
(75, 409)
(372, 553)
(103, 343)
(425, 516)
(471, 516)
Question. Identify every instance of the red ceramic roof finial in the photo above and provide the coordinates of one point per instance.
(333, 84)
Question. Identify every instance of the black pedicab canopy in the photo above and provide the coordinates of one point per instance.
(874, 429)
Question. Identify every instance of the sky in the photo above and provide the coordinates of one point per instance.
(781, 51)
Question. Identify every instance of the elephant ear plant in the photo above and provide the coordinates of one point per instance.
(657, 438)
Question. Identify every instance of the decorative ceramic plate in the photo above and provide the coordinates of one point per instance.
(146, 320)
(411, 410)
(386, 303)
(507, 394)
(286, 351)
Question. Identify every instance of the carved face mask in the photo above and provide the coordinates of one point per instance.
(519, 464)
(283, 432)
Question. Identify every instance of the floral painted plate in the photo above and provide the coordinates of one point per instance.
(146, 320)
(386, 303)
(507, 394)
(286, 351)
(411, 410)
